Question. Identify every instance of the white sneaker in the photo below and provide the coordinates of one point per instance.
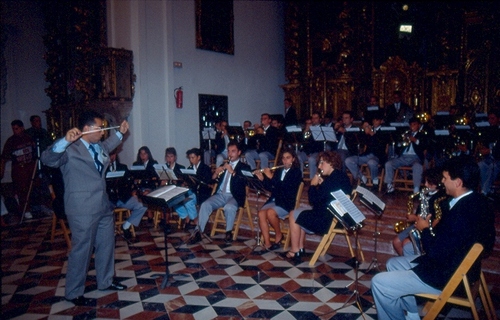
(364, 180)
(28, 215)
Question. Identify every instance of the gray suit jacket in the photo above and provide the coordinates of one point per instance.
(84, 188)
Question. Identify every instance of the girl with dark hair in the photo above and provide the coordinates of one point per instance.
(283, 185)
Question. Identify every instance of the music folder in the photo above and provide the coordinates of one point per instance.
(345, 211)
(168, 196)
(370, 200)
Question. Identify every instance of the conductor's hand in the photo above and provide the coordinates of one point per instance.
(124, 127)
(73, 134)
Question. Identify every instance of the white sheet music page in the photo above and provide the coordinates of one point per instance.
(348, 206)
(167, 192)
(370, 197)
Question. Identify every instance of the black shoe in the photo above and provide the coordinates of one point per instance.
(78, 301)
(302, 251)
(126, 233)
(375, 187)
(195, 238)
(229, 237)
(296, 258)
(116, 286)
(274, 246)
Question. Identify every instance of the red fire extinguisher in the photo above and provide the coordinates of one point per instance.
(178, 97)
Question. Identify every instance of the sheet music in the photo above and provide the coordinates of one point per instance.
(443, 132)
(353, 129)
(462, 127)
(370, 197)
(188, 171)
(317, 133)
(115, 174)
(137, 168)
(167, 192)
(348, 206)
(399, 124)
(247, 173)
(387, 128)
(482, 124)
(329, 134)
(293, 129)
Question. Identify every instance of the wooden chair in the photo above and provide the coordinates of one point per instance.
(284, 226)
(276, 156)
(403, 180)
(365, 170)
(219, 221)
(433, 308)
(65, 231)
(327, 240)
(119, 213)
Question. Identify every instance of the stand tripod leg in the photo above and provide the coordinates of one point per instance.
(35, 169)
(256, 245)
(374, 264)
(355, 292)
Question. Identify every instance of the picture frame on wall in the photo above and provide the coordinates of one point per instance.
(214, 25)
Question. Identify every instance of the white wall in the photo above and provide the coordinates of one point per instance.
(161, 32)
(22, 22)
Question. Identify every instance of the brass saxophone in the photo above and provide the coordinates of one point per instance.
(402, 224)
(415, 236)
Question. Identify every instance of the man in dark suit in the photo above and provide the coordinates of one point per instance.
(230, 192)
(469, 220)
(171, 161)
(122, 194)
(348, 137)
(83, 160)
(266, 146)
(398, 111)
(411, 155)
(203, 178)
(290, 114)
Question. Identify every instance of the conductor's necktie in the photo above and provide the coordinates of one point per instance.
(98, 164)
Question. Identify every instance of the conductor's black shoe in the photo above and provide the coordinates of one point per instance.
(195, 238)
(126, 233)
(229, 237)
(116, 286)
(78, 301)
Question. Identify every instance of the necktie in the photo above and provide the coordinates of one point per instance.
(113, 166)
(98, 163)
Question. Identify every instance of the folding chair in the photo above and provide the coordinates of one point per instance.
(327, 240)
(433, 308)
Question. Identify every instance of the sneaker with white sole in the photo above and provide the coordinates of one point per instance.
(28, 215)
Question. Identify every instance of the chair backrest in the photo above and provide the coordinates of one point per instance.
(278, 151)
(299, 195)
(460, 276)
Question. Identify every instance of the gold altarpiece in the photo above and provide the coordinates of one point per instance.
(334, 69)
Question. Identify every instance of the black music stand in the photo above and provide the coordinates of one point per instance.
(162, 203)
(255, 184)
(355, 293)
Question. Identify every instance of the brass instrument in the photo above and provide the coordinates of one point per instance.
(401, 225)
(307, 134)
(250, 132)
(272, 168)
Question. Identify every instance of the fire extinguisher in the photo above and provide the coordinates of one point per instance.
(178, 97)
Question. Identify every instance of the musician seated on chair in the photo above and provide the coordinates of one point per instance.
(230, 192)
(407, 242)
(149, 181)
(469, 220)
(317, 219)
(488, 153)
(171, 163)
(373, 154)
(122, 193)
(412, 154)
(283, 185)
(266, 146)
(311, 147)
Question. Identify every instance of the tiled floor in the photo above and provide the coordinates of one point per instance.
(208, 280)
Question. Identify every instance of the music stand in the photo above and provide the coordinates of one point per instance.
(323, 134)
(255, 184)
(374, 204)
(164, 204)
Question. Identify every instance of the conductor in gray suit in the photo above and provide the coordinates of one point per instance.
(83, 159)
